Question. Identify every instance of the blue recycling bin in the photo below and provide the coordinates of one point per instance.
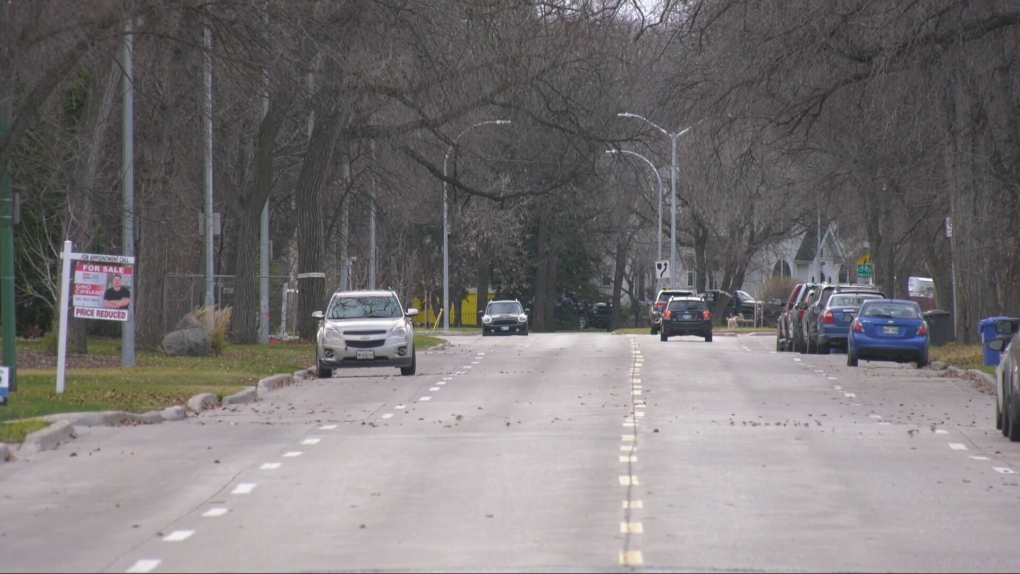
(988, 333)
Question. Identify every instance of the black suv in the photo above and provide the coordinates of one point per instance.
(655, 311)
(686, 316)
(600, 316)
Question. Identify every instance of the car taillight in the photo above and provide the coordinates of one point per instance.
(800, 313)
(923, 329)
(667, 314)
(707, 315)
(660, 305)
(858, 328)
(827, 318)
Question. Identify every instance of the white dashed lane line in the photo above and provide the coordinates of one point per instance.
(980, 458)
(387, 416)
(433, 389)
(1004, 470)
(292, 454)
(244, 488)
(143, 566)
(270, 466)
(941, 431)
(178, 536)
(311, 441)
(957, 446)
(215, 512)
(425, 399)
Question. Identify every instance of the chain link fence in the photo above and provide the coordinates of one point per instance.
(183, 292)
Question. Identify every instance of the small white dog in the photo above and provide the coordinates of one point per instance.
(731, 322)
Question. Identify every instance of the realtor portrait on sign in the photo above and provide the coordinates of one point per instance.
(117, 296)
(102, 291)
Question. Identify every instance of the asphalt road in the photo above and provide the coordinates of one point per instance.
(548, 453)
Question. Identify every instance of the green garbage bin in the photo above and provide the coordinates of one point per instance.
(940, 327)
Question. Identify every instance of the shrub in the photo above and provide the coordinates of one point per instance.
(220, 319)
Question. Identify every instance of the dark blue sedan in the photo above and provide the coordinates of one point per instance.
(888, 330)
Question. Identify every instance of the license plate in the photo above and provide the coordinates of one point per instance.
(847, 318)
(890, 330)
(687, 317)
(504, 328)
(366, 355)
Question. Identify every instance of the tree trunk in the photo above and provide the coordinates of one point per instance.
(315, 172)
(484, 276)
(82, 181)
(544, 312)
(247, 309)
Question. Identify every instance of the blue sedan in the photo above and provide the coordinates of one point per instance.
(888, 330)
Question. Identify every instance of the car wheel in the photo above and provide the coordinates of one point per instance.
(922, 362)
(407, 371)
(1011, 426)
(851, 358)
(525, 332)
(322, 372)
(779, 345)
(708, 338)
(823, 349)
(663, 336)
(654, 330)
(998, 416)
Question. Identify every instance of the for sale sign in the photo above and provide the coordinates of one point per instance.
(102, 291)
(4, 390)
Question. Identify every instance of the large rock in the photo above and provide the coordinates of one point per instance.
(191, 341)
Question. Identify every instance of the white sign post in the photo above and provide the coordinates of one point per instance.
(102, 290)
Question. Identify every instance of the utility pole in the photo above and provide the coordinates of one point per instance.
(209, 218)
(127, 334)
(7, 315)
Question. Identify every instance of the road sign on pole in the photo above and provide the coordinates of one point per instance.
(864, 271)
(662, 269)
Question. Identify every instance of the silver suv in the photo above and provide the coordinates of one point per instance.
(364, 329)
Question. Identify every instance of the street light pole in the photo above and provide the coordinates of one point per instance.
(672, 188)
(658, 282)
(446, 223)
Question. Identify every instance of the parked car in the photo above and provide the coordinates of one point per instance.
(833, 325)
(600, 316)
(1006, 374)
(741, 303)
(795, 319)
(813, 313)
(686, 316)
(364, 329)
(888, 330)
(655, 311)
(782, 336)
(505, 317)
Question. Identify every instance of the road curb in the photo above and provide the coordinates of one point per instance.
(49, 438)
(248, 395)
(986, 380)
(203, 401)
(270, 384)
(105, 418)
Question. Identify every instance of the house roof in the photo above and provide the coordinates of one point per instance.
(809, 244)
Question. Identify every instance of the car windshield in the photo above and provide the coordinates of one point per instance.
(687, 306)
(851, 300)
(892, 311)
(508, 308)
(364, 308)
